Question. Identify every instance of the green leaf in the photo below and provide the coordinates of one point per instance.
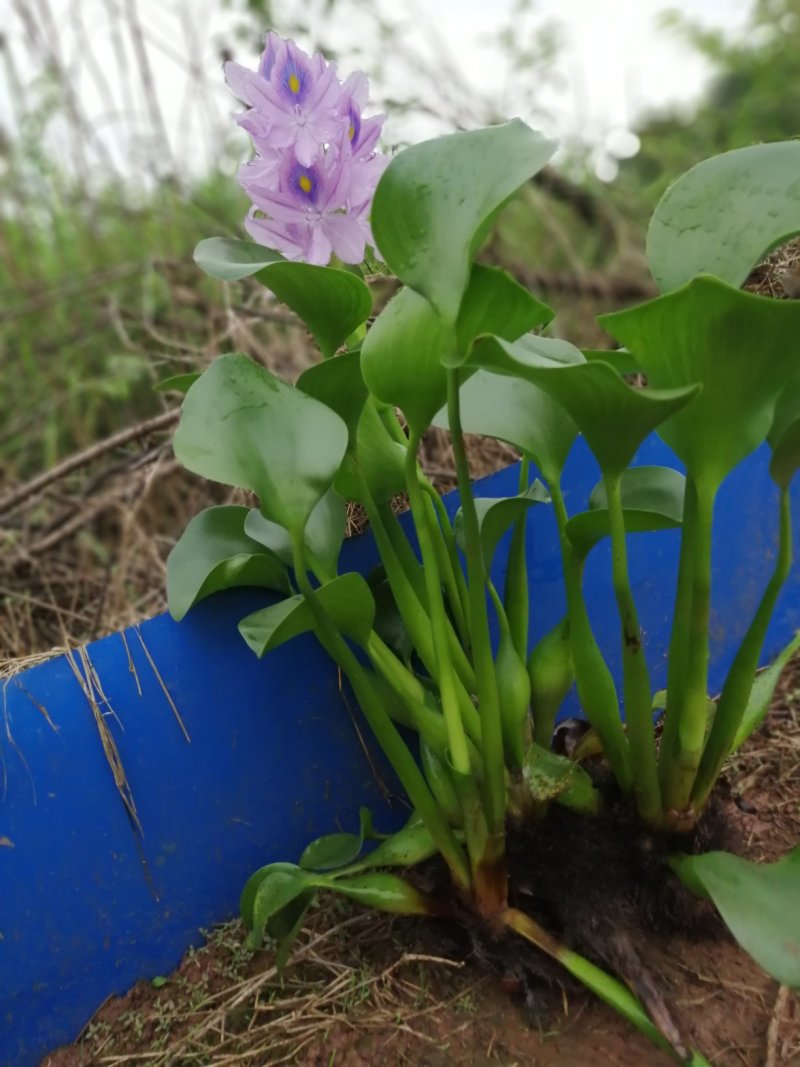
(553, 777)
(619, 358)
(372, 452)
(758, 902)
(214, 553)
(242, 426)
(652, 499)
(741, 348)
(331, 302)
(323, 534)
(407, 847)
(401, 358)
(613, 417)
(725, 214)
(495, 303)
(284, 926)
(519, 412)
(384, 892)
(248, 897)
(347, 600)
(178, 383)
(435, 201)
(336, 850)
(159, 981)
(229, 259)
(389, 624)
(498, 514)
(275, 891)
(762, 692)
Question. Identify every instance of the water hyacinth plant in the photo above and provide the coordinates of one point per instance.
(467, 725)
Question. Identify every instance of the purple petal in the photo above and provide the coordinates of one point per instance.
(346, 236)
(279, 238)
(318, 250)
(293, 74)
(273, 45)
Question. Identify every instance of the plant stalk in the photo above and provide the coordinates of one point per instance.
(398, 754)
(637, 694)
(739, 682)
(516, 594)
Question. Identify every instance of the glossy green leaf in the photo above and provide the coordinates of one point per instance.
(762, 692)
(384, 892)
(614, 417)
(323, 534)
(652, 499)
(407, 847)
(372, 452)
(401, 358)
(347, 600)
(553, 777)
(552, 674)
(759, 903)
(230, 259)
(519, 412)
(276, 890)
(336, 850)
(331, 302)
(619, 358)
(741, 348)
(178, 383)
(725, 214)
(284, 926)
(435, 201)
(338, 384)
(496, 515)
(248, 897)
(214, 553)
(242, 426)
(495, 303)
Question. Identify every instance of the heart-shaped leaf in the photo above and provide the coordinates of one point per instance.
(242, 426)
(347, 600)
(323, 534)
(331, 302)
(519, 412)
(286, 923)
(248, 897)
(178, 383)
(498, 514)
(613, 417)
(652, 499)
(436, 199)
(495, 303)
(401, 358)
(372, 452)
(741, 348)
(758, 901)
(214, 553)
(725, 214)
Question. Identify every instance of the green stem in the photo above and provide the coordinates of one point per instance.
(678, 654)
(679, 779)
(637, 694)
(516, 594)
(739, 682)
(398, 754)
(488, 700)
(455, 583)
(596, 689)
(614, 993)
(445, 673)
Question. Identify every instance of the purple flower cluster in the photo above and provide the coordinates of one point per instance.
(316, 167)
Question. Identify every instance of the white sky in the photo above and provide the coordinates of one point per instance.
(617, 62)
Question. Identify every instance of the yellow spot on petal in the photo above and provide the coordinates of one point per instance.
(305, 183)
(352, 132)
(294, 83)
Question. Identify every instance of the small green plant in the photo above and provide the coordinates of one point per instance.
(465, 346)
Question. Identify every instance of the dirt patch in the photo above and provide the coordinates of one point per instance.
(364, 989)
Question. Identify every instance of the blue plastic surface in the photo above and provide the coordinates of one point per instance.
(87, 907)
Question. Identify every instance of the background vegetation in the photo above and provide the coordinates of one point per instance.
(100, 299)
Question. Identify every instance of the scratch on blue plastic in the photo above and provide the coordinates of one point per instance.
(273, 761)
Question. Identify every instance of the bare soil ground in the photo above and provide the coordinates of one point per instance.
(364, 989)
